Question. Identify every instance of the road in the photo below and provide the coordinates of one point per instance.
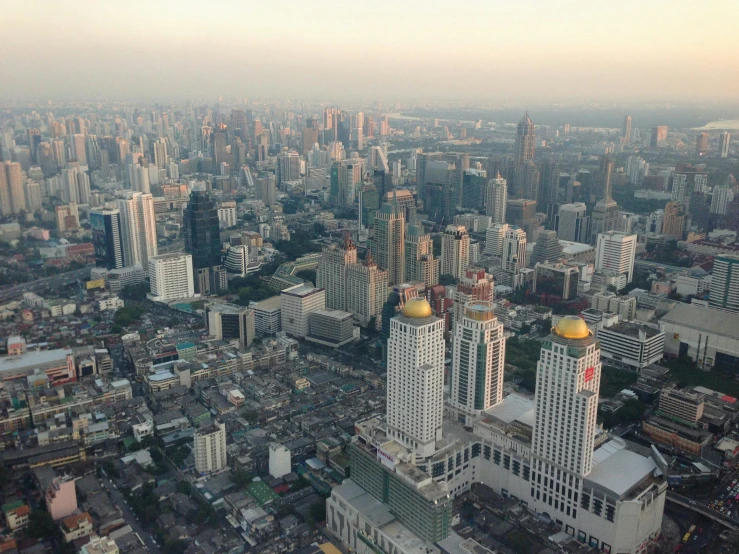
(40, 284)
(129, 516)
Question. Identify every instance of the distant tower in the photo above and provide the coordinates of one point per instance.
(478, 360)
(496, 199)
(388, 244)
(138, 228)
(525, 141)
(107, 239)
(723, 144)
(626, 131)
(701, 144)
(203, 239)
(514, 250)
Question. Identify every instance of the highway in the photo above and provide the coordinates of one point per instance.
(59, 280)
(702, 509)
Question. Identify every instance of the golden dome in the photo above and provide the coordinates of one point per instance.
(572, 327)
(417, 308)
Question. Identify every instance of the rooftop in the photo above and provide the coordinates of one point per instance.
(37, 358)
(301, 291)
(514, 407)
(617, 469)
(693, 316)
(631, 330)
(271, 304)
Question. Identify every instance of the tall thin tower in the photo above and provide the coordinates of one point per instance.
(525, 141)
(331, 273)
(388, 244)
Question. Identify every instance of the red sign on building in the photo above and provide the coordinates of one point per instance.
(589, 374)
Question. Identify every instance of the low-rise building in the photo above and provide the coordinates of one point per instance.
(77, 526)
(631, 344)
(332, 328)
(267, 320)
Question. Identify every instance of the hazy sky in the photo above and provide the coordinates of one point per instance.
(482, 50)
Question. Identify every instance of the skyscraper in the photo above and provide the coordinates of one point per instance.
(331, 273)
(701, 144)
(138, 228)
(525, 141)
(366, 290)
(209, 448)
(171, 277)
(626, 131)
(724, 142)
(478, 362)
(475, 284)
(615, 251)
(203, 240)
(725, 283)
(494, 239)
(288, 166)
(415, 377)
(6, 206)
(659, 136)
(388, 244)
(12, 196)
(420, 264)
(496, 199)
(673, 221)
(265, 190)
(514, 250)
(159, 147)
(455, 251)
(547, 248)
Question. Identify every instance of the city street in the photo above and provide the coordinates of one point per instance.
(128, 515)
(40, 284)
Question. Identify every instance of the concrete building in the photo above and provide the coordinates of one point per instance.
(686, 406)
(724, 294)
(420, 264)
(415, 377)
(267, 315)
(673, 221)
(388, 244)
(572, 222)
(514, 250)
(455, 251)
(230, 321)
(476, 284)
(171, 277)
(138, 228)
(556, 279)
(332, 328)
(623, 306)
(616, 251)
(547, 248)
(478, 360)
(210, 448)
(366, 289)
(279, 460)
(496, 199)
(630, 344)
(494, 240)
(331, 273)
(296, 304)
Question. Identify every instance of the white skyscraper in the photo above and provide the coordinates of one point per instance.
(514, 250)
(331, 272)
(572, 222)
(478, 361)
(615, 251)
(160, 152)
(724, 144)
(171, 277)
(415, 377)
(494, 239)
(496, 198)
(296, 304)
(210, 448)
(455, 251)
(720, 199)
(138, 228)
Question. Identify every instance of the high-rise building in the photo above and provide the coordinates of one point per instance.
(107, 238)
(547, 248)
(415, 377)
(230, 321)
(556, 279)
(724, 142)
(548, 201)
(203, 240)
(420, 264)
(34, 196)
(514, 250)
(138, 228)
(673, 221)
(724, 292)
(67, 217)
(528, 177)
(366, 290)
(12, 196)
(659, 136)
(494, 240)
(720, 199)
(626, 131)
(455, 251)
(171, 277)
(288, 166)
(77, 149)
(496, 199)
(159, 148)
(388, 243)
(615, 251)
(522, 213)
(296, 305)
(605, 218)
(478, 362)
(331, 273)
(209, 448)
(525, 141)
(265, 190)
(685, 183)
(701, 144)
(476, 284)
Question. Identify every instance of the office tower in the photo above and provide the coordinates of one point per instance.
(474, 285)
(67, 217)
(288, 166)
(202, 239)
(605, 218)
(332, 270)
(701, 144)
(572, 222)
(159, 147)
(673, 221)
(636, 169)
(241, 260)
(34, 196)
(376, 159)
(615, 251)
(659, 136)
(548, 201)
(230, 321)
(34, 139)
(685, 182)
(496, 199)
(474, 188)
(12, 196)
(422, 159)
(527, 180)
(107, 238)
(721, 198)
(655, 221)
(209, 448)
(171, 277)
(626, 131)
(455, 251)
(724, 292)
(420, 264)
(77, 149)
(76, 185)
(494, 240)
(514, 250)
(567, 384)
(296, 305)
(547, 248)
(265, 190)
(415, 377)
(310, 138)
(555, 279)
(406, 202)
(440, 201)
(138, 228)
(604, 177)
(724, 142)
(366, 290)
(388, 244)
(478, 362)
(369, 203)
(525, 141)
(522, 213)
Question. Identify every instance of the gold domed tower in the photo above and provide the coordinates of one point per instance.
(572, 327)
(417, 308)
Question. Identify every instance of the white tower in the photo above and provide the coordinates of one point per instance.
(616, 251)
(455, 251)
(138, 228)
(514, 250)
(496, 199)
(415, 377)
(478, 360)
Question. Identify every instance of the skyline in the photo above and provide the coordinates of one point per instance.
(387, 51)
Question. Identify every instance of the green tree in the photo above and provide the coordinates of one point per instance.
(317, 511)
(40, 524)
(135, 292)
